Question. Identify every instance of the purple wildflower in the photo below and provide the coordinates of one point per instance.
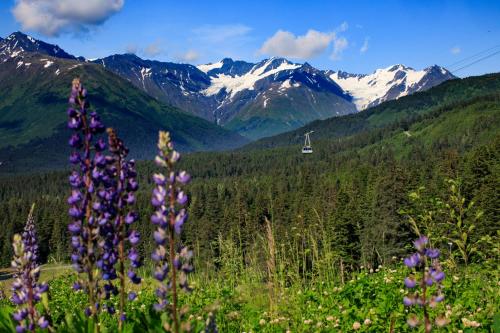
(420, 243)
(123, 188)
(412, 260)
(132, 296)
(26, 290)
(407, 301)
(169, 217)
(85, 181)
(410, 283)
(426, 261)
(432, 253)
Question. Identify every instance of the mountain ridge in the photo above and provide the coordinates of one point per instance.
(259, 99)
(33, 99)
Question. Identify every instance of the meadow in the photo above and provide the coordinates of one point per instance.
(242, 300)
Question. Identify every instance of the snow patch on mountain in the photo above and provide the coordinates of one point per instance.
(208, 67)
(374, 88)
(285, 85)
(265, 102)
(235, 84)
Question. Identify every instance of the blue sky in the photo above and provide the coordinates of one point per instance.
(355, 36)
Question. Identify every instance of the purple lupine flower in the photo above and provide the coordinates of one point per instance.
(420, 243)
(26, 290)
(86, 180)
(412, 260)
(437, 274)
(169, 217)
(432, 253)
(410, 283)
(425, 261)
(123, 171)
(132, 296)
(407, 301)
(103, 189)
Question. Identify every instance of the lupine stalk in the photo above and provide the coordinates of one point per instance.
(126, 185)
(426, 262)
(101, 214)
(169, 217)
(26, 290)
(88, 156)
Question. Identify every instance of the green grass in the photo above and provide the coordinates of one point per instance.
(372, 299)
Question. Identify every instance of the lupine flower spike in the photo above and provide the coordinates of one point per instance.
(87, 213)
(26, 290)
(120, 231)
(169, 200)
(431, 275)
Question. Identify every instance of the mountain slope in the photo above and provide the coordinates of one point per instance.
(388, 83)
(180, 85)
(33, 100)
(272, 96)
(399, 113)
(236, 93)
(276, 96)
(17, 43)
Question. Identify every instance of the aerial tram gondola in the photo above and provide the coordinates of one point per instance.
(307, 149)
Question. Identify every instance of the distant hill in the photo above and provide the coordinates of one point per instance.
(402, 112)
(34, 91)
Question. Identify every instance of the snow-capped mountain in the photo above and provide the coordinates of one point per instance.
(223, 91)
(17, 43)
(30, 56)
(240, 86)
(388, 83)
(254, 99)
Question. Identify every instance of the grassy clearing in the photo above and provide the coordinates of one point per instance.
(250, 303)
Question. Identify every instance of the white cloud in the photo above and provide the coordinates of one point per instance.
(189, 57)
(312, 44)
(221, 33)
(286, 44)
(455, 50)
(364, 47)
(52, 17)
(339, 46)
(153, 49)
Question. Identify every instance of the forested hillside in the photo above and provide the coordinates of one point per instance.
(355, 186)
(400, 113)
